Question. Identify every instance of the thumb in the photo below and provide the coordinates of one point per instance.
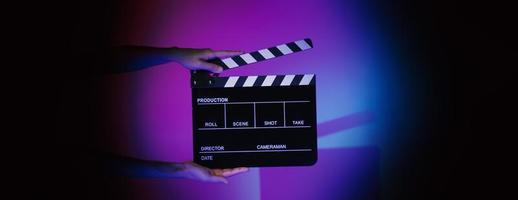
(218, 179)
(210, 67)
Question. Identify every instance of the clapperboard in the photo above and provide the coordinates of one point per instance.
(252, 121)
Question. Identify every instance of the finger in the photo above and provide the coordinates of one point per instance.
(210, 67)
(217, 179)
(226, 53)
(234, 171)
(217, 172)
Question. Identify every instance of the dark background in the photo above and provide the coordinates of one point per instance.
(461, 54)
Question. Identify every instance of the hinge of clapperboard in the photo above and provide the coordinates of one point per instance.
(202, 78)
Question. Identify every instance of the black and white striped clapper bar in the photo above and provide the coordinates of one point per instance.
(253, 121)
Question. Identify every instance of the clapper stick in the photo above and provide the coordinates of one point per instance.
(203, 78)
(263, 54)
(262, 81)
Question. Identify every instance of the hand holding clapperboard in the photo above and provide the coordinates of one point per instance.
(252, 121)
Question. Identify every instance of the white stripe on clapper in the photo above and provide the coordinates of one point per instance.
(229, 62)
(266, 53)
(306, 79)
(248, 58)
(268, 80)
(284, 49)
(231, 81)
(303, 45)
(287, 80)
(250, 81)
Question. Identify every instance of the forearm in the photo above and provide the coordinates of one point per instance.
(132, 58)
(137, 168)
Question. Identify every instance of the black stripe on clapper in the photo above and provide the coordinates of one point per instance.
(257, 56)
(312, 82)
(293, 47)
(239, 60)
(296, 80)
(220, 81)
(309, 42)
(275, 51)
(259, 81)
(278, 80)
(240, 81)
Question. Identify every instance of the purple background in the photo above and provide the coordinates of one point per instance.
(356, 93)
